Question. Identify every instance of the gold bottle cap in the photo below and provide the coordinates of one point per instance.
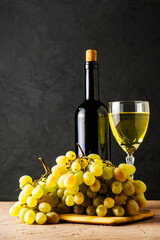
(91, 55)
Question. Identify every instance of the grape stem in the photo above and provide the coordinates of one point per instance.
(47, 169)
(80, 149)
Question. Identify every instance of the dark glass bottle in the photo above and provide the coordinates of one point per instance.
(91, 118)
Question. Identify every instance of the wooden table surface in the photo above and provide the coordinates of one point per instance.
(11, 228)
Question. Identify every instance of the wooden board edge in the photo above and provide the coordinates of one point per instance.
(106, 220)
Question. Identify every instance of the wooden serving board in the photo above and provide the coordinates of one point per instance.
(142, 215)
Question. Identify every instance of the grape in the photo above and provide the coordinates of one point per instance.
(116, 187)
(84, 163)
(61, 181)
(52, 181)
(107, 173)
(86, 202)
(79, 177)
(53, 217)
(70, 181)
(59, 170)
(62, 208)
(94, 156)
(132, 207)
(15, 209)
(37, 192)
(62, 160)
(53, 189)
(83, 188)
(79, 198)
(31, 202)
(72, 190)
(78, 209)
(22, 197)
(75, 167)
(128, 188)
(64, 199)
(120, 175)
(24, 180)
(44, 207)
(104, 188)
(140, 199)
(60, 193)
(140, 186)
(96, 186)
(41, 218)
(99, 162)
(128, 168)
(90, 193)
(47, 198)
(28, 189)
(109, 202)
(71, 155)
(22, 213)
(29, 217)
(118, 211)
(120, 199)
(69, 200)
(96, 169)
(55, 199)
(91, 210)
(101, 210)
(98, 200)
(89, 178)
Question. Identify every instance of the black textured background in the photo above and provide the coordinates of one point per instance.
(42, 47)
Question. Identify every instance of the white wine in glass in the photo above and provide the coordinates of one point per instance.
(129, 122)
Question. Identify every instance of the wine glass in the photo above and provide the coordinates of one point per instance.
(129, 122)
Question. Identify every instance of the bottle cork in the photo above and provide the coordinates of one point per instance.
(91, 55)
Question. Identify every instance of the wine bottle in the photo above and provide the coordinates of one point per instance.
(92, 130)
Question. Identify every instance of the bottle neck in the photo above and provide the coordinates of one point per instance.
(92, 83)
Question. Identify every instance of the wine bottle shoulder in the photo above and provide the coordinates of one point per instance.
(91, 107)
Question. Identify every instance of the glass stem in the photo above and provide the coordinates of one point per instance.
(130, 159)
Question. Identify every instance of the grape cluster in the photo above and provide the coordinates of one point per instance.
(81, 185)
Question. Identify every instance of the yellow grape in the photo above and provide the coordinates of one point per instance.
(109, 202)
(44, 207)
(53, 217)
(62, 160)
(96, 169)
(89, 178)
(69, 200)
(118, 211)
(70, 181)
(29, 217)
(61, 181)
(52, 180)
(96, 186)
(31, 202)
(132, 207)
(140, 186)
(79, 177)
(128, 188)
(15, 209)
(94, 156)
(75, 167)
(22, 213)
(101, 210)
(41, 218)
(59, 170)
(79, 198)
(120, 175)
(37, 192)
(116, 187)
(107, 173)
(71, 155)
(24, 180)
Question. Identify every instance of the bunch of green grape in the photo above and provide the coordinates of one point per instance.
(80, 185)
